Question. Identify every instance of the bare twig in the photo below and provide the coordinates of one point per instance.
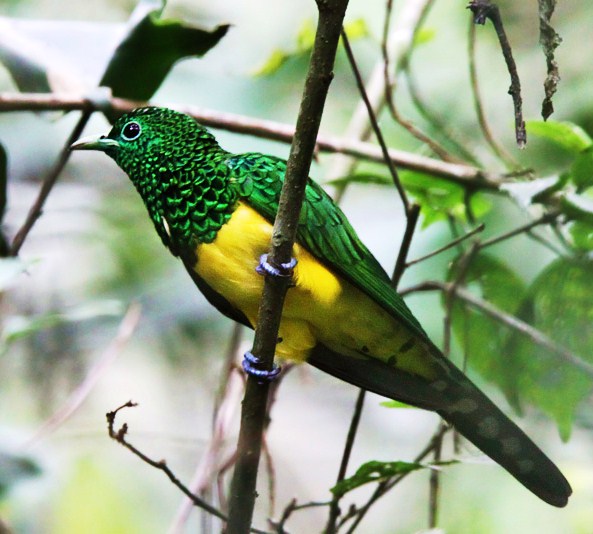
(334, 507)
(374, 124)
(496, 147)
(400, 264)
(242, 494)
(439, 125)
(120, 436)
(544, 219)
(485, 9)
(290, 508)
(400, 41)
(449, 245)
(389, 83)
(434, 479)
(550, 40)
(47, 185)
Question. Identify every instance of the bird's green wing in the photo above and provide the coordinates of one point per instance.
(323, 230)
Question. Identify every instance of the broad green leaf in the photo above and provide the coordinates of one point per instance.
(441, 199)
(559, 303)
(582, 235)
(581, 170)
(375, 471)
(482, 337)
(564, 134)
(150, 49)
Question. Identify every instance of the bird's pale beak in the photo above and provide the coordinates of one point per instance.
(94, 142)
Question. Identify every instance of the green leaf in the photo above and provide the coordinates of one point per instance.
(482, 337)
(395, 404)
(441, 199)
(305, 38)
(150, 49)
(582, 235)
(564, 134)
(273, 63)
(581, 170)
(558, 304)
(375, 471)
(356, 29)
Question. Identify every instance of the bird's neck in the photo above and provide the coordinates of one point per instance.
(189, 202)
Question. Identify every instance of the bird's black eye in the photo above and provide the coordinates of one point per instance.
(131, 131)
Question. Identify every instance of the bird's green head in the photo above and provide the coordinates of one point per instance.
(152, 141)
(177, 167)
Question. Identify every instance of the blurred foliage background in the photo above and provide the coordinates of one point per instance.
(93, 252)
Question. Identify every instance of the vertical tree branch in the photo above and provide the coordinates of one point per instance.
(485, 9)
(334, 507)
(319, 76)
(375, 124)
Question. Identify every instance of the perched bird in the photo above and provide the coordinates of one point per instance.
(215, 210)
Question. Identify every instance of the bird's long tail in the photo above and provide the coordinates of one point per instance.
(465, 407)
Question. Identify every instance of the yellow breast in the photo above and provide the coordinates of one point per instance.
(320, 307)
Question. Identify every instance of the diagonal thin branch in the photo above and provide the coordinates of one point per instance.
(375, 125)
(466, 175)
(524, 328)
(120, 436)
(47, 185)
